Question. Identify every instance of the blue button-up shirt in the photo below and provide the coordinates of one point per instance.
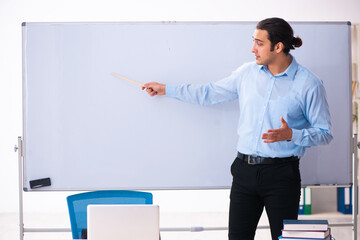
(296, 94)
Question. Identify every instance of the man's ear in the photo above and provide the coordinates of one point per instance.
(279, 47)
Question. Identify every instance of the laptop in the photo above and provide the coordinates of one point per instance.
(123, 222)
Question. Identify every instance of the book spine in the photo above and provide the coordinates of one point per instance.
(344, 200)
(307, 201)
(301, 203)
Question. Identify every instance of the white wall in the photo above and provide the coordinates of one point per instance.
(14, 12)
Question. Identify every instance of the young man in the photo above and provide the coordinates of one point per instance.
(283, 110)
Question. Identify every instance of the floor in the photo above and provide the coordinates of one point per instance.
(9, 225)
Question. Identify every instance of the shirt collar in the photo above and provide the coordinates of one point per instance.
(290, 71)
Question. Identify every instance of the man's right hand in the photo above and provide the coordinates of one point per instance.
(154, 88)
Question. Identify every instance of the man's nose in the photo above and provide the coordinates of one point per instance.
(253, 49)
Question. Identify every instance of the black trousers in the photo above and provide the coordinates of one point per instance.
(273, 186)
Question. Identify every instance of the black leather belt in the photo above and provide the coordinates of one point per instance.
(250, 159)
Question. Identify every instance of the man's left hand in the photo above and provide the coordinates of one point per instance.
(284, 133)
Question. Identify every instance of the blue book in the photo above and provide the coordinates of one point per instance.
(327, 238)
(344, 195)
(301, 203)
(306, 225)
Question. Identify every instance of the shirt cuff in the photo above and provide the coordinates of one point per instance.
(296, 136)
(170, 90)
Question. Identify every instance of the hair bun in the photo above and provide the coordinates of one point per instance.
(296, 42)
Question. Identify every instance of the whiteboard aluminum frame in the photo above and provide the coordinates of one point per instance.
(22, 146)
(143, 23)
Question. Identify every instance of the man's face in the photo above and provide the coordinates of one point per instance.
(261, 48)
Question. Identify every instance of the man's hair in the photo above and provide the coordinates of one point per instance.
(280, 31)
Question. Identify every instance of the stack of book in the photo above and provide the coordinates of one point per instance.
(306, 230)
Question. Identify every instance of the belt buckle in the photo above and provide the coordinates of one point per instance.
(249, 160)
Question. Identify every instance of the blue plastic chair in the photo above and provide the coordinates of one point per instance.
(78, 203)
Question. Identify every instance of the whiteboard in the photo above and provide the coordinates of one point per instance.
(86, 129)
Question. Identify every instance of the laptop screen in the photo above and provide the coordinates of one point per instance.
(127, 222)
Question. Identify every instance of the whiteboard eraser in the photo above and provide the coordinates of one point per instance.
(43, 182)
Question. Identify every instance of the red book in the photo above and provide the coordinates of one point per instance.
(306, 234)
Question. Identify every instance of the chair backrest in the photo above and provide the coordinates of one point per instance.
(78, 203)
